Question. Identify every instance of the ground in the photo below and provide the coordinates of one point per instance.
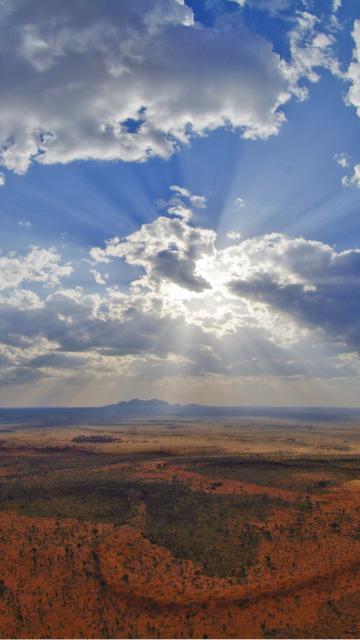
(242, 529)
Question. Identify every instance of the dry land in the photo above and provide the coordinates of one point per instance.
(236, 529)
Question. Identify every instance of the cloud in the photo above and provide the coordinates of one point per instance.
(268, 307)
(311, 49)
(181, 204)
(353, 180)
(306, 280)
(38, 265)
(342, 159)
(233, 235)
(98, 277)
(353, 72)
(269, 6)
(240, 202)
(72, 337)
(111, 326)
(167, 249)
(198, 202)
(127, 81)
(2, 179)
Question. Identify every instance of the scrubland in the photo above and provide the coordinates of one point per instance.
(180, 530)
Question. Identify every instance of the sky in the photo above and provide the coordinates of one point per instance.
(180, 202)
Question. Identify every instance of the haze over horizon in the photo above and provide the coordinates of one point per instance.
(179, 194)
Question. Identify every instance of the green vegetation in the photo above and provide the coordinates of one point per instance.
(300, 475)
(51, 459)
(2, 587)
(84, 498)
(220, 532)
(216, 531)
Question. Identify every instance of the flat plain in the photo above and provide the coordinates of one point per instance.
(246, 528)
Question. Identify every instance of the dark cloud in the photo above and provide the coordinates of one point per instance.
(331, 302)
(168, 265)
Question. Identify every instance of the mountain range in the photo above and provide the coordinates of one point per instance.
(158, 409)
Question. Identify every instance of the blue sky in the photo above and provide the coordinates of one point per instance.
(210, 251)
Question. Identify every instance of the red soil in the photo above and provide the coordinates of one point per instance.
(201, 482)
(74, 579)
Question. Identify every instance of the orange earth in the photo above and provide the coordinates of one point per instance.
(79, 577)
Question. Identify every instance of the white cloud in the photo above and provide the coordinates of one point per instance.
(336, 5)
(98, 277)
(2, 179)
(353, 72)
(176, 206)
(233, 235)
(38, 265)
(342, 159)
(167, 249)
(128, 80)
(172, 253)
(199, 202)
(24, 223)
(311, 49)
(270, 6)
(181, 191)
(20, 298)
(353, 180)
(240, 202)
(270, 306)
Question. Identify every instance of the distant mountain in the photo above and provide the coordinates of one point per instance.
(138, 407)
(158, 409)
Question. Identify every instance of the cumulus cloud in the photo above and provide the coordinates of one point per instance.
(127, 80)
(182, 203)
(234, 235)
(198, 202)
(342, 160)
(354, 180)
(98, 277)
(306, 280)
(301, 279)
(240, 202)
(270, 6)
(167, 249)
(38, 265)
(270, 306)
(114, 337)
(311, 49)
(353, 72)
